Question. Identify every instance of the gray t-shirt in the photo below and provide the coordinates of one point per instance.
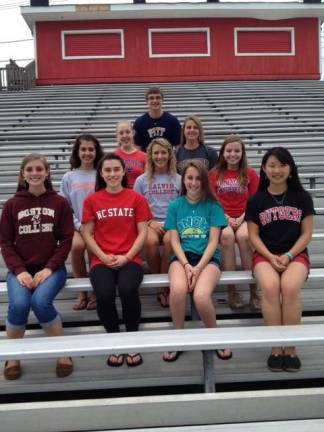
(75, 187)
(206, 155)
(159, 193)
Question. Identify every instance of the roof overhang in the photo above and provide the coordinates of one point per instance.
(268, 11)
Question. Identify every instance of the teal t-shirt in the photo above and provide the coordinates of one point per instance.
(193, 222)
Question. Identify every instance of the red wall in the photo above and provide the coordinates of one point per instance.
(138, 67)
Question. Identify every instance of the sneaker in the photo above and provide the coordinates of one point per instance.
(235, 300)
(292, 363)
(276, 362)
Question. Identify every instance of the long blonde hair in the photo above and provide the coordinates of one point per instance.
(172, 162)
(197, 121)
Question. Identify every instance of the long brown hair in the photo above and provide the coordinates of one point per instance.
(221, 164)
(75, 161)
(22, 184)
(206, 193)
(100, 182)
(172, 162)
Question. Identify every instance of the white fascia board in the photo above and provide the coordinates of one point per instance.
(266, 11)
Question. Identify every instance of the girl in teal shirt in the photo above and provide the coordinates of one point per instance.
(195, 221)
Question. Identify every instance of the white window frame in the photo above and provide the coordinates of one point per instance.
(291, 30)
(205, 30)
(120, 32)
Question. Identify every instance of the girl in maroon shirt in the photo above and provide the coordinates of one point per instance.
(36, 235)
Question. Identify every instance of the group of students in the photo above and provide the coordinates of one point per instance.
(185, 208)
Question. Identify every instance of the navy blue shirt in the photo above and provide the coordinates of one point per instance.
(146, 128)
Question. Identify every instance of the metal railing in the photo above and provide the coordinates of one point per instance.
(14, 78)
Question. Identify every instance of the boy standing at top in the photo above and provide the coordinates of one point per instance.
(156, 123)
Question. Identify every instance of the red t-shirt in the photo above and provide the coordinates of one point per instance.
(230, 193)
(135, 164)
(115, 217)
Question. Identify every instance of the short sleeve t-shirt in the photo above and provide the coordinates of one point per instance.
(279, 218)
(204, 154)
(159, 193)
(147, 128)
(135, 164)
(230, 193)
(115, 217)
(193, 222)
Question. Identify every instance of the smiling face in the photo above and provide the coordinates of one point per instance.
(233, 155)
(276, 172)
(35, 174)
(192, 183)
(160, 158)
(154, 102)
(112, 172)
(87, 153)
(191, 131)
(125, 135)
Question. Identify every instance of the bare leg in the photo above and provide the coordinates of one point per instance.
(204, 288)
(227, 241)
(79, 267)
(165, 258)
(268, 280)
(151, 249)
(292, 280)
(243, 243)
(178, 294)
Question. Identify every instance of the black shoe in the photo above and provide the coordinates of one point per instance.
(291, 363)
(276, 362)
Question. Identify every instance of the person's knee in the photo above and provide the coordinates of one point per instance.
(178, 291)
(227, 240)
(19, 310)
(270, 291)
(201, 299)
(289, 292)
(242, 238)
(39, 304)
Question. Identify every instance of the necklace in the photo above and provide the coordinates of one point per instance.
(280, 201)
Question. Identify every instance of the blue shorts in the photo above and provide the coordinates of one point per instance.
(193, 259)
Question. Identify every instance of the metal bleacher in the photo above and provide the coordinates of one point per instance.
(264, 114)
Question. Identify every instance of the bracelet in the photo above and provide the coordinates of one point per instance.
(289, 255)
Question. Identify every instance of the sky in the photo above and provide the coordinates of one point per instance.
(16, 40)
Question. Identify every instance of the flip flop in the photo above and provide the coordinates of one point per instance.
(115, 360)
(223, 357)
(92, 304)
(174, 356)
(163, 298)
(131, 362)
(80, 304)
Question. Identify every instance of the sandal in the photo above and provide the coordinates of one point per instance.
(115, 360)
(235, 301)
(80, 304)
(64, 369)
(221, 354)
(172, 356)
(131, 360)
(163, 298)
(255, 303)
(12, 372)
(92, 304)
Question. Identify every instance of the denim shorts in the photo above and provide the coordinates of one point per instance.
(193, 259)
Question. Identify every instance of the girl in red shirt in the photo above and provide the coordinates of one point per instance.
(135, 159)
(233, 182)
(114, 228)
